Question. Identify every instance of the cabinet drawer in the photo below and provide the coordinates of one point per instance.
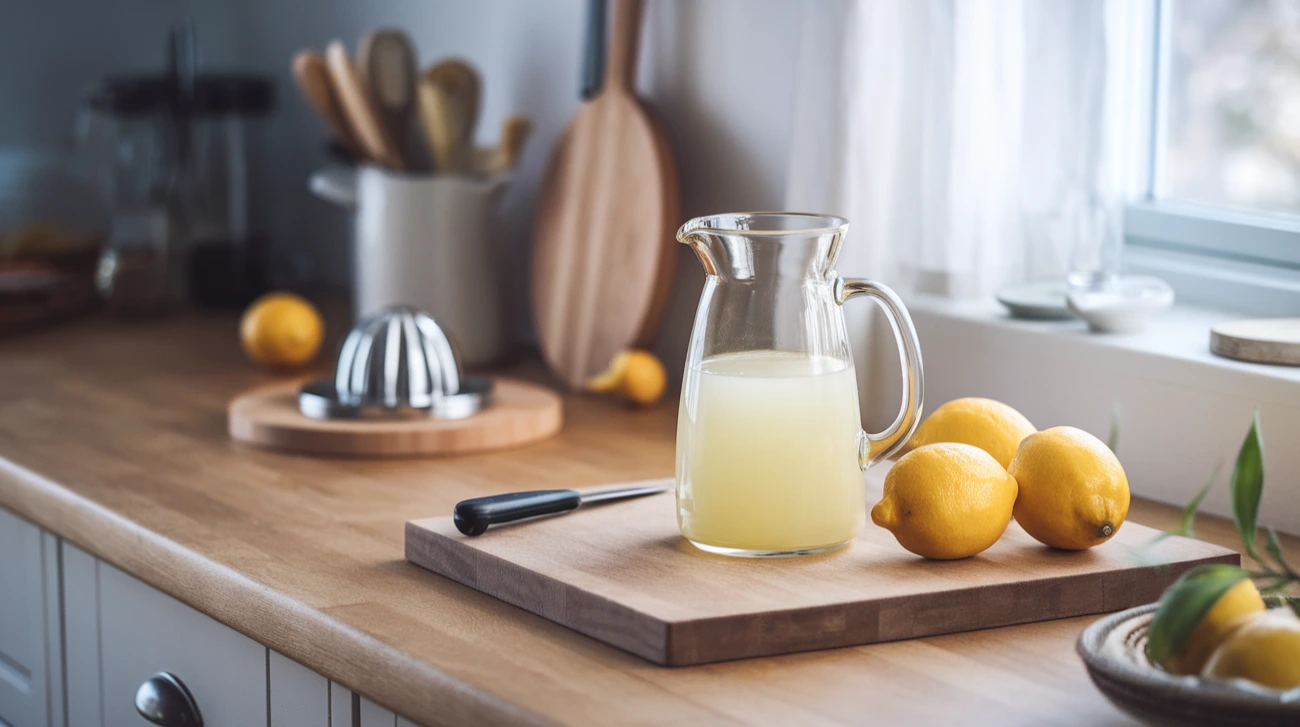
(30, 649)
(143, 631)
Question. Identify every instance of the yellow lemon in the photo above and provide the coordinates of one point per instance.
(1240, 600)
(636, 375)
(1264, 648)
(1073, 491)
(990, 425)
(946, 501)
(281, 331)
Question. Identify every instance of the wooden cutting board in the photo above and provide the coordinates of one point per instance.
(607, 212)
(520, 413)
(621, 573)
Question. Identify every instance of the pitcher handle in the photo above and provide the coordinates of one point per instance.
(875, 447)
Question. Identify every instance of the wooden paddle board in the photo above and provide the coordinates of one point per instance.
(608, 210)
(622, 573)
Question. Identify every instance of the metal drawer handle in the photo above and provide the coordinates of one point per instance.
(164, 700)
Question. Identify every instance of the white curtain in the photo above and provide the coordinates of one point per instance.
(961, 138)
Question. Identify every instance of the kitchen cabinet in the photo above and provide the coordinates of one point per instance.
(299, 697)
(73, 625)
(143, 631)
(30, 639)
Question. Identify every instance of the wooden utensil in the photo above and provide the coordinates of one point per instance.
(449, 106)
(623, 574)
(1269, 340)
(520, 413)
(499, 159)
(607, 212)
(358, 108)
(386, 61)
(313, 79)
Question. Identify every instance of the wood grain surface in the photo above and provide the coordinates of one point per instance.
(520, 413)
(113, 436)
(1269, 340)
(623, 574)
(603, 257)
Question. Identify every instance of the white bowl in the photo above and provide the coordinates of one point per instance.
(1127, 306)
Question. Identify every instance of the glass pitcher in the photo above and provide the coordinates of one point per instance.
(770, 449)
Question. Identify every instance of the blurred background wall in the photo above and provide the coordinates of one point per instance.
(708, 69)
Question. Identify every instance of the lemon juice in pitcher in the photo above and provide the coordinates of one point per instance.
(767, 453)
(770, 449)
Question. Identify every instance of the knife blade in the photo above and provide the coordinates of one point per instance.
(472, 517)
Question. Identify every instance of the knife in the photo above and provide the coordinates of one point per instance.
(472, 517)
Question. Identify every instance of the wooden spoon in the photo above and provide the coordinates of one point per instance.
(495, 160)
(449, 103)
(386, 61)
(358, 108)
(313, 79)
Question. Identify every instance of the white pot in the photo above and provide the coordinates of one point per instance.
(425, 241)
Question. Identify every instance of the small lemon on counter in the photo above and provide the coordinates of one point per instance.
(985, 423)
(281, 331)
(635, 375)
(1223, 617)
(946, 501)
(1073, 491)
(1264, 648)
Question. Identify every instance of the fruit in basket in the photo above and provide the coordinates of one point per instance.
(1073, 491)
(281, 331)
(946, 501)
(990, 425)
(1241, 600)
(1263, 647)
(635, 375)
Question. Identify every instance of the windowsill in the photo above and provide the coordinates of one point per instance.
(1181, 409)
(1181, 333)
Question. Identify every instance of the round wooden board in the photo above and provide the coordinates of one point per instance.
(520, 413)
(1267, 340)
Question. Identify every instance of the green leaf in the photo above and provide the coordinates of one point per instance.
(1274, 547)
(1112, 439)
(1275, 587)
(1247, 485)
(1189, 512)
(1184, 604)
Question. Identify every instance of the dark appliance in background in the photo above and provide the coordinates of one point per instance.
(171, 150)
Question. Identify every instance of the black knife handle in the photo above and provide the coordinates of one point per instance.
(472, 517)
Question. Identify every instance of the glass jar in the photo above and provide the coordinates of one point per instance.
(126, 134)
(227, 262)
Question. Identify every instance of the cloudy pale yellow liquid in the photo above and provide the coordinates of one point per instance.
(767, 454)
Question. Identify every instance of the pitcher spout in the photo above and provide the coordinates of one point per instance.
(695, 234)
(755, 245)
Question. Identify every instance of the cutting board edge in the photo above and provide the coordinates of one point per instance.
(1154, 578)
(652, 645)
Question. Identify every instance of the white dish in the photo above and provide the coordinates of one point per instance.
(1042, 300)
(1126, 306)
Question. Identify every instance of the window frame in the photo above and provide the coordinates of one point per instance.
(1216, 256)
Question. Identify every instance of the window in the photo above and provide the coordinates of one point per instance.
(1222, 175)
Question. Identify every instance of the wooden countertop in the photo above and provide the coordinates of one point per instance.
(112, 436)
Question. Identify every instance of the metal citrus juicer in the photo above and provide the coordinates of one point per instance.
(396, 364)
